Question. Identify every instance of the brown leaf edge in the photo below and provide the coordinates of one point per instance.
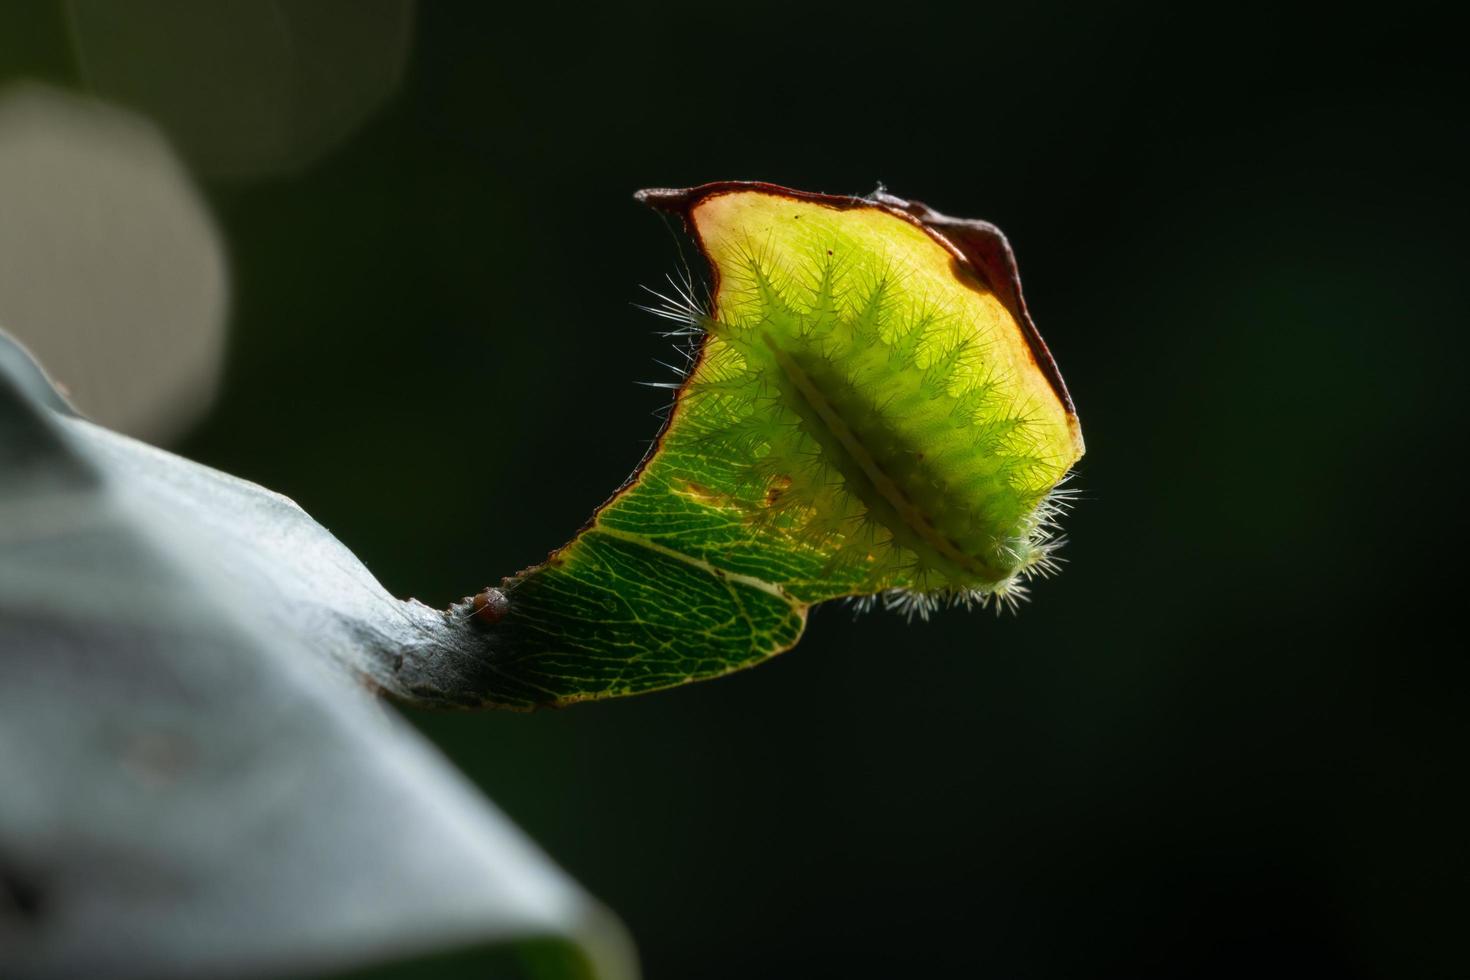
(979, 248)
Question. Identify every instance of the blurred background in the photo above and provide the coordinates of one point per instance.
(381, 258)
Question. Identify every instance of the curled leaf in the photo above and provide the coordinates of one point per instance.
(870, 412)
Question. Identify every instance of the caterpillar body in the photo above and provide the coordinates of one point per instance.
(880, 402)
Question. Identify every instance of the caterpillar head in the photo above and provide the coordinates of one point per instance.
(868, 392)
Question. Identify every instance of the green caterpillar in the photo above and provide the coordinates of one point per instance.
(884, 405)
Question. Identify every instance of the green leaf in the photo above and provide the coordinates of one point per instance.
(870, 412)
(197, 778)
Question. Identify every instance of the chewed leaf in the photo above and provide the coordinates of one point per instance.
(870, 413)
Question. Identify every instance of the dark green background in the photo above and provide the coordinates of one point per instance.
(1226, 741)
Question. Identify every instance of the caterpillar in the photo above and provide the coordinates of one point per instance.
(880, 403)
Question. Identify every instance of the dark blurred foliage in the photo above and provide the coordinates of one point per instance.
(1226, 741)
